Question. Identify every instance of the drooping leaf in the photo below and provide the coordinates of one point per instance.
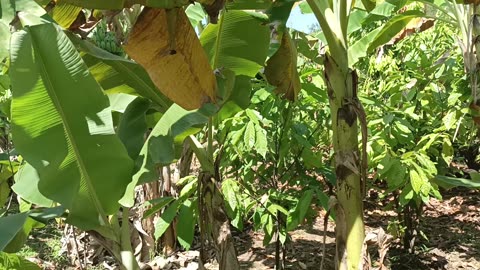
(157, 205)
(166, 218)
(174, 58)
(164, 143)
(225, 85)
(188, 189)
(16, 262)
(239, 98)
(355, 20)
(133, 126)
(360, 48)
(450, 182)
(62, 125)
(238, 42)
(21, 237)
(406, 195)
(9, 226)
(186, 223)
(450, 119)
(268, 228)
(281, 70)
(447, 151)
(65, 14)
(119, 75)
(393, 27)
(26, 185)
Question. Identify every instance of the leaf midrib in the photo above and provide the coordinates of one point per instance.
(56, 101)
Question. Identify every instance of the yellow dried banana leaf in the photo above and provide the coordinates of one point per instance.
(281, 70)
(173, 57)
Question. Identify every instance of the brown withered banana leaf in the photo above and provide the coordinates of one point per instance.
(169, 50)
(281, 70)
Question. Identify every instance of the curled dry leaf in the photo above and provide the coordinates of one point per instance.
(281, 70)
(169, 50)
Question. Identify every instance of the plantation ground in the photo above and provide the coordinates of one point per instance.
(452, 227)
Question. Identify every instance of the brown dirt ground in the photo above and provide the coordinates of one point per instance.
(452, 227)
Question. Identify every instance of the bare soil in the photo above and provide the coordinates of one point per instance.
(451, 240)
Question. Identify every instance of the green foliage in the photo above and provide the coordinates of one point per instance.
(119, 75)
(238, 42)
(415, 96)
(185, 208)
(81, 112)
(15, 262)
(273, 148)
(73, 146)
(10, 226)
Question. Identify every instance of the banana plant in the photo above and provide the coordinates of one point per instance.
(337, 20)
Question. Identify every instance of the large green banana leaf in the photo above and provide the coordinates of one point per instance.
(26, 185)
(119, 75)
(239, 42)
(380, 35)
(62, 125)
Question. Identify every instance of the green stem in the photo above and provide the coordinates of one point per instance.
(336, 46)
(460, 21)
(128, 258)
(210, 138)
(205, 162)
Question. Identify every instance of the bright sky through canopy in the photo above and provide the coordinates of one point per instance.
(301, 22)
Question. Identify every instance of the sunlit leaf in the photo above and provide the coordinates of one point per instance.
(238, 42)
(62, 125)
(174, 58)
